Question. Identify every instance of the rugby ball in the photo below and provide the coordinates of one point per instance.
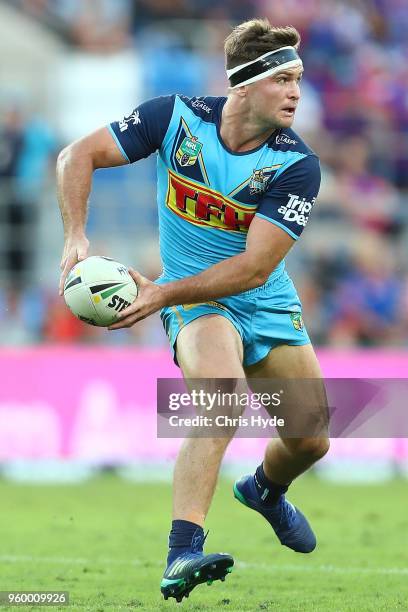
(97, 289)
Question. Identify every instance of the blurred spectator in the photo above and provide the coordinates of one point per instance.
(15, 216)
(26, 148)
(366, 307)
(22, 315)
(60, 325)
(369, 200)
(94, 25)
(97, 25)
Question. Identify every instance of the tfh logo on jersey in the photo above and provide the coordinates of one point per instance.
(134, 118)
(204, 206)
(188, 152)
(297, 210)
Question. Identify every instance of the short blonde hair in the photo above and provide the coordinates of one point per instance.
(253, 38)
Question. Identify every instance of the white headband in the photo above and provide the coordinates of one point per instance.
(293, 63)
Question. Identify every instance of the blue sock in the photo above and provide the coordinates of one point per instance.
(181, 537)
(269, 492)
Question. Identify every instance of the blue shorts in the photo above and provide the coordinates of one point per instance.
(264, 317)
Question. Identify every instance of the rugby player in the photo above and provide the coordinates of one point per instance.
(236, 186)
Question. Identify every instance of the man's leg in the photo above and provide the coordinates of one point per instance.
(287, 458)
(208, 348)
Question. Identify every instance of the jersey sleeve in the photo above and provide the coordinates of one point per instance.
(291, 197)
(142, 132)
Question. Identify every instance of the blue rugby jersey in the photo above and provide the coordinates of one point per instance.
(207, 194)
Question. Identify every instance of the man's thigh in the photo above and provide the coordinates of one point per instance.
(287, 361)
(296, 370)
(210, 347)
(209, 351)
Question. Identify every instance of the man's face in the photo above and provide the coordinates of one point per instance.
(273, 100)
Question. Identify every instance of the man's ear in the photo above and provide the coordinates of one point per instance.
(241, 91)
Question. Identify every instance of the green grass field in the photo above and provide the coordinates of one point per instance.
(105, 542)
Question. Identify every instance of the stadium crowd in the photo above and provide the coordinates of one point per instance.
(351, 266)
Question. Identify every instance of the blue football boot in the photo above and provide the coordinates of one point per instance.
(289, 524)
(193, 568)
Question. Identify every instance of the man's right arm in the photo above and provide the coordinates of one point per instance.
(75, 166)
(134, 137)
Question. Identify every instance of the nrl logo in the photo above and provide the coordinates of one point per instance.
(188, 152)
(258, 182)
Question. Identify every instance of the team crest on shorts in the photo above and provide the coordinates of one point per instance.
(189, 151)
(258, 182)
(297, 320)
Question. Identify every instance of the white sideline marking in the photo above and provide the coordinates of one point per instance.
(67, 560)
(326, 569)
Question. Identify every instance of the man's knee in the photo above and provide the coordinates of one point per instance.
(311, 449)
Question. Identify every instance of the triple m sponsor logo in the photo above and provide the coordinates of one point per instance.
(297, 209)
(204, 206)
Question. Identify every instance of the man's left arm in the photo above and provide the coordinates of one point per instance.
(271, 234)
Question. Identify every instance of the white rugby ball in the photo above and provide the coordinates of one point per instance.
(97, 289)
